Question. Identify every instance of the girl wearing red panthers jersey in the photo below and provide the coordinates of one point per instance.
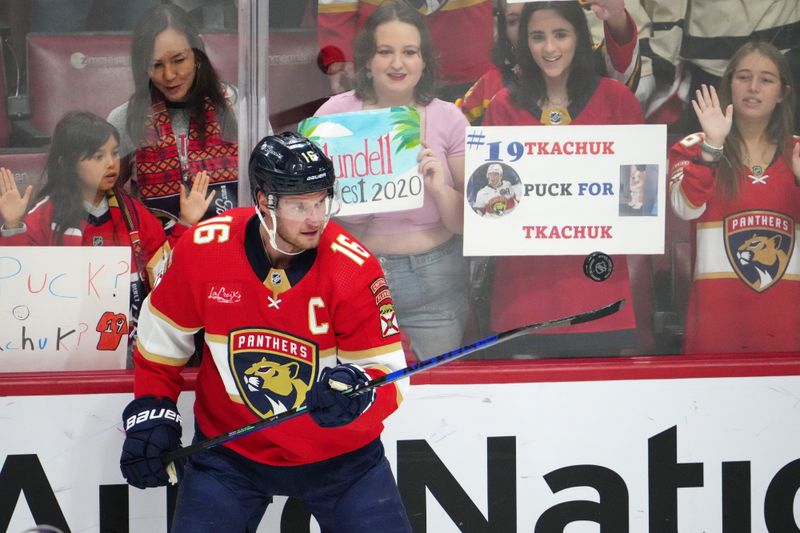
(81, 204)
(737, 182)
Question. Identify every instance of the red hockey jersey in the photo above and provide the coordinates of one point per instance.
(746, 281)
(610, 103)
(267, 338)
(532, 289)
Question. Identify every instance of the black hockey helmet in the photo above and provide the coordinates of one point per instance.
(289, 163)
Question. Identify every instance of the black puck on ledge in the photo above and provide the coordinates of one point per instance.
(598, 266)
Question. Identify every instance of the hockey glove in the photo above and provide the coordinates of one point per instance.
(330, 408)
(152, 428)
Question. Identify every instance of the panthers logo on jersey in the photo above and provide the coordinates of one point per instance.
(759, 245)
(499, 205)
(273, 370)
(426, 7)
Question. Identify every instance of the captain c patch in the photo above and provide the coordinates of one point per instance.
(759, 245)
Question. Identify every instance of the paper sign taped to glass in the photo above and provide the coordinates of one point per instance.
(64, 307)
(533, 190)
(374, 155)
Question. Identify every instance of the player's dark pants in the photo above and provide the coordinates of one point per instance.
(355, 492)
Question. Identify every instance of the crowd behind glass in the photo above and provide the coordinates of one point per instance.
(699, 66)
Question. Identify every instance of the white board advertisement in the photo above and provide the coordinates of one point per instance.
(565, 191)
(64, 308)
(688, 455)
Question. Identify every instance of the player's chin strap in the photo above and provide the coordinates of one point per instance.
(271, 232)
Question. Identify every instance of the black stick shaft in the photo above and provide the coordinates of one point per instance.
(402, 373)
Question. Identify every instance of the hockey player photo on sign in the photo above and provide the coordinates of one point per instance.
(294, 309)
(494, 190)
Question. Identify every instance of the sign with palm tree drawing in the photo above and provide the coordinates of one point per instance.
(374, 154)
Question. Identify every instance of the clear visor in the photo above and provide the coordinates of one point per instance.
(314, 208)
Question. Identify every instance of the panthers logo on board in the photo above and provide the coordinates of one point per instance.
(759, 245)
(273, 370)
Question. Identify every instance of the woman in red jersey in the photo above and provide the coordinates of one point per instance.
(617, 56)
(558, 85)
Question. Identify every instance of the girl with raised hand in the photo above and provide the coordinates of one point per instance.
(558, 85)
(419, 249)
(738, 182)
(81, 203)
(180, 119)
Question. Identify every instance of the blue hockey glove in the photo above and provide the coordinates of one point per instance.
(330, 408)
(152, 428)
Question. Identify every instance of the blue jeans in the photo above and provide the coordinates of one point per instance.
(430, 297)
(353, 493)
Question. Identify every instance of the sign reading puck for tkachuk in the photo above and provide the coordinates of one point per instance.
(564, 191)
(598, 266)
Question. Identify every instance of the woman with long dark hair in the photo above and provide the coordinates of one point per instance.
(558, 84)
(738, 181)
(179, 120)
(617, 57)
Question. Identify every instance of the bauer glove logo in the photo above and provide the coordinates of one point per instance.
(152, 414)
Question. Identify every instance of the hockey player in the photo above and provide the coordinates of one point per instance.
(290, 303)
(499, 196)
(737, 182)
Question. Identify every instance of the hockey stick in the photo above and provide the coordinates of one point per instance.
(416, 368)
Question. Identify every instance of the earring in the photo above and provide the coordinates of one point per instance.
(369, 74)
